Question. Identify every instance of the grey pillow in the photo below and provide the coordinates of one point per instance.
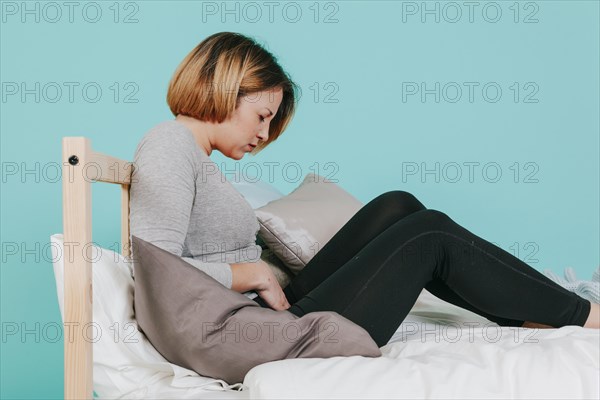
(199, 324)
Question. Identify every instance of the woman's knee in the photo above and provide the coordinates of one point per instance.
(399, 199)
(390, 207)
(432, 217)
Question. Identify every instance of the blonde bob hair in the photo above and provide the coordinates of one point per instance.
(226, 66)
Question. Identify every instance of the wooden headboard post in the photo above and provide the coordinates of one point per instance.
(82, 167)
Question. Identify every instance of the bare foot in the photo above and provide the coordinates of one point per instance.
(593, 320)
(528, 324)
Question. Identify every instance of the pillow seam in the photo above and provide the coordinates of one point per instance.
(283, 243)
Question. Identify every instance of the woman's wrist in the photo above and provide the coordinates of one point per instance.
(247, 276)
(261, 277)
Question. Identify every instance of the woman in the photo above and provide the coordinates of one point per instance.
(230, 94)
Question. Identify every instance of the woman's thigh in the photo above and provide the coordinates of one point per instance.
(370, 221)
(379, 285)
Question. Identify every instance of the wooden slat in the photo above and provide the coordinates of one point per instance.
(104, 168)
(77, 234)
(89, 167)
(125, 239)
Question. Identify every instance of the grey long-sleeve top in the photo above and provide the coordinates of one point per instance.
(181, 202)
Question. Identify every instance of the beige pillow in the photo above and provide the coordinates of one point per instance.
(295, 227)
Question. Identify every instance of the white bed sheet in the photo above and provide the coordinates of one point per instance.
(426, 358)
(443, 351)
(562, 365)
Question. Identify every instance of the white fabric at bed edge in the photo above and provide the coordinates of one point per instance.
(125, 362)
(441, 351)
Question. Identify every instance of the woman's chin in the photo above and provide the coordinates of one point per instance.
(235, 155)
(244, 152)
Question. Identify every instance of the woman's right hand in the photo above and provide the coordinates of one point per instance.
(270, 290)
(259, 277)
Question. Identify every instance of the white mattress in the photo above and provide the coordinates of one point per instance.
(562, 365)
(443, 351)
(429, 357)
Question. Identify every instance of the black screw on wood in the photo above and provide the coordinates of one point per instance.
(73, 160)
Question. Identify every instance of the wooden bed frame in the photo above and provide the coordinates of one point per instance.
(81, 167)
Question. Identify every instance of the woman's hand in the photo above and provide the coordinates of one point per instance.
(259, 277)
(270, 290)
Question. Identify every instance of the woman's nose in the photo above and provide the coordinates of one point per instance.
(264, 135)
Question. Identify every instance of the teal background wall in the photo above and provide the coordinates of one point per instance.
(362, 67)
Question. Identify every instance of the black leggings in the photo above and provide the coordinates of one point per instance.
(375, 267)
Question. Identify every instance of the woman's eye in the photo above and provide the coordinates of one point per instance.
(261, 118)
